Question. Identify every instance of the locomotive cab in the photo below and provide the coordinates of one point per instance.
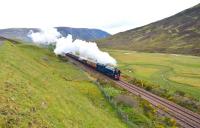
(117, 74)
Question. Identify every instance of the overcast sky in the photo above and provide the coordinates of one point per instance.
(110, 15)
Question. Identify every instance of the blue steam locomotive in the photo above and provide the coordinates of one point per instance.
(105, 69)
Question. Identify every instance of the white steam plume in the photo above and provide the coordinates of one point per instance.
(46, 36)
(87, 50)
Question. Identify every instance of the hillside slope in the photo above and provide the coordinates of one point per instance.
(83, 33)
(39, 90)
(177, 34)
(77, 33)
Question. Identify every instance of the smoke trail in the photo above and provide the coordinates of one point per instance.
(86, 50)
(46, 36)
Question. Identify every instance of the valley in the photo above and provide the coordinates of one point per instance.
(171, 71)
(83, 64)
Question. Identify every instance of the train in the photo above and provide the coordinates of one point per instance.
(107, 70)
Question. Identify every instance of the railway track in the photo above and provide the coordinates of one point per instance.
(183, 116)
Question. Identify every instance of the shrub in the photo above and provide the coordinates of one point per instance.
(170, 122)
(180, 93)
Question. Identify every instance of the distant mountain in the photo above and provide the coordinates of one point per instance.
(83, 33)
(77, 33)
(17, 33)
(177, 34)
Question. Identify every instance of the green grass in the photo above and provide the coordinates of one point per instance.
(135, 111)
(37, 89)
(170, 71)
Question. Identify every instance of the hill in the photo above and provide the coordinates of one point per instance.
(37, 89)
(83, 33)
(176, 34)
(77, 33)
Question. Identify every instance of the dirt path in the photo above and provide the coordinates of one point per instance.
(1, 42)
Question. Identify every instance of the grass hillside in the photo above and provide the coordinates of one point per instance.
(37, 89)
(169, 71)
(177, 34)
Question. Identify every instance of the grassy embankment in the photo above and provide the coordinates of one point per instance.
(37, 89)
(174, 73)
(135, 111)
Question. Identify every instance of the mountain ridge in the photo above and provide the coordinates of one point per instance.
(85, 34)
(179, 34)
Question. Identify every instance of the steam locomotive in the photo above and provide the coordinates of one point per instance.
(105, 69)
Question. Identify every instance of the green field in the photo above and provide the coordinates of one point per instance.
(37, 89)
(170, 71)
